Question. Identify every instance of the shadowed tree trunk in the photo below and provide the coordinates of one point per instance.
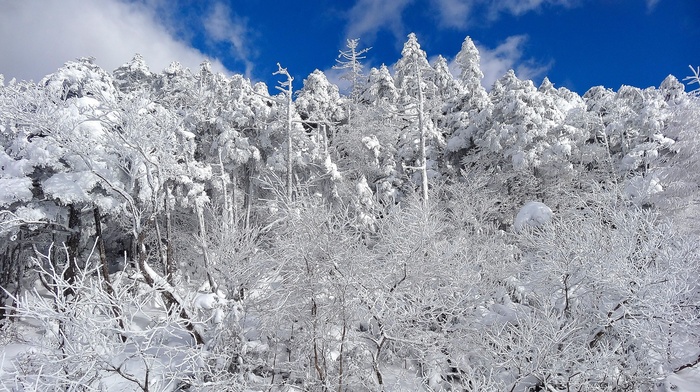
(104, 270)
(73, 245)
(170, 266)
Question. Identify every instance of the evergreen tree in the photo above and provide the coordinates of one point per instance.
(380, 87)
(133, 76)
(415, 89)
(462, 110)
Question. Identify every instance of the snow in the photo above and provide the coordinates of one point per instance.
(15, 189)
(13, 167)
(519, 161)
(456, 143)
(370, 142)
(9, 353)
(687, 380)
(186, 134)
(86, 103)
(501, 297)
(210, 306)
(641, 189)
(532, 214)
(205, 301)
(332, 169)
(71, 187)
(92, 129)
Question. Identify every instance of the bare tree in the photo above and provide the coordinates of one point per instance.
(85, 341)
(350, 60)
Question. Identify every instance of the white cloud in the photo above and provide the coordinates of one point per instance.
(223, 26)
(519, 7)
(454, 13)
(37, 37)
(507, 55)
(651, 4)
(367, 17)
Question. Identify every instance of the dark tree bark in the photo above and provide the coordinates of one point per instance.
(73, 245)
(170, 299)
(170, 266)
(104, 270)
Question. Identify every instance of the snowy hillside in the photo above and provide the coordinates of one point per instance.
(184, 230)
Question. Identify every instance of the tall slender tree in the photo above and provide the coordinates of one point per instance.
(462, 111)
(350, 60)
(412, 85)
(286, 88)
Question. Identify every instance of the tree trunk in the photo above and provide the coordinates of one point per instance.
(166, 291)
(104, 268)
(228, 213)
(421, 127)
(289, 143)
(6, 264)
(205, 249)
(73, 246)
(248, 195)
(159, 243)
(234, 206)
(170, 266)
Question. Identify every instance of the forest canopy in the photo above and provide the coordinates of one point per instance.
(187, 230)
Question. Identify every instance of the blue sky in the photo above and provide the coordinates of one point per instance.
(576, 43)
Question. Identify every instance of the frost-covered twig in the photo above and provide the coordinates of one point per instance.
(694, 79)
(9, 220)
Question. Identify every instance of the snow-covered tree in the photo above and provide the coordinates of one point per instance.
(174, 87)
(447, 88)
(463, 109)
(527, 130)
(351, 60)
(560, 256)
(414, 88)
(319, 99)
(675, 162)
(320, 107)
(133, 76)
(380, 87)
(597, 326)
(286, 88)
(369, 149)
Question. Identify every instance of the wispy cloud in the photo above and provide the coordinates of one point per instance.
(454, 13)
(520, 7)
(461, 13)
(651, 4)
(509, 55)
(367, 17)
(224, 26)
(37, 37)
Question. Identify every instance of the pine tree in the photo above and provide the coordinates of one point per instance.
(412, 72)
(462, 110)
(380, 87)
(133, 76)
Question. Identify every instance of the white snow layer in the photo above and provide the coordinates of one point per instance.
(532, 214)
(15, 189)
